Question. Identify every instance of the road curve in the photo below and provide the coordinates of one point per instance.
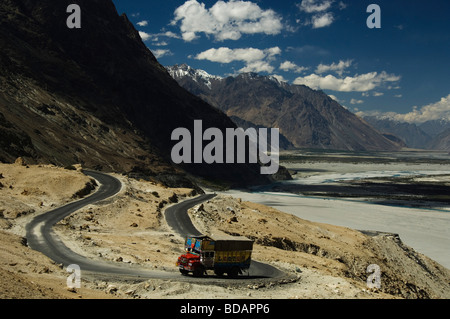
(41, 237)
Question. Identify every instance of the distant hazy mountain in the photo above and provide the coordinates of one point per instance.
(442, 141)
(435, 127)
(305, 117)
(427, 135)
(411, 134)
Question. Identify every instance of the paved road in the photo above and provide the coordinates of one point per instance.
(41, 237)
(178, 219)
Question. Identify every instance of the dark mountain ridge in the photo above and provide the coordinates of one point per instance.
(94, 95)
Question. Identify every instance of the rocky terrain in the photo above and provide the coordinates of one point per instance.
(325, 261)
(306, 118)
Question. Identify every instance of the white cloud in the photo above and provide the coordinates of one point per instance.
(169, 34)
(155, 36)
(334, 97)
(290, 66)
(311, 6)
(339, 68)
(145, 36)
(320, 9)
(161, 44)
(354, 101)
(225, 20)
(322, 20)
(257, 66)
(434, 111)
(271, 52)
(227, 55)
(256, 60)
(280, 78)
(376, 94)
(159, 53)
(142, 23)
(358, 83)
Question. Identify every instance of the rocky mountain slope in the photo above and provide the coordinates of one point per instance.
(95, 95)
(428, 135)
(435, 127)
(442, 141)
(305, 117)
(410, 133)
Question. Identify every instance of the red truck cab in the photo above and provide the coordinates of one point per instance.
(190, 263)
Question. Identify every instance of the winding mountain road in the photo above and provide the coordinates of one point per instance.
(41, 237)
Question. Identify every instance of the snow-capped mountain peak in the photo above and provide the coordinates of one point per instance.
(200, 76)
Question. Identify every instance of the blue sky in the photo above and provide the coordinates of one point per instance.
(401, 69)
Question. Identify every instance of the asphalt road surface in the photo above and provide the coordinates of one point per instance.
(41, 237)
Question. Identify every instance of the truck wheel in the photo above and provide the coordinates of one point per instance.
(233, 272)
(184, 272)
(198, 272)
(219, 272)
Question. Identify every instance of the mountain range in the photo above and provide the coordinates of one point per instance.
(306, 118)
(96, 96)
(432, 135)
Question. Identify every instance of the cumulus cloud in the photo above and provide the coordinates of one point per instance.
(256, 60)
(311, 6)
(358, 83)
(355, 101)
(290, 66)
(142, 23)
(322, 20)
(257, 66)
(320, 9)
(227, 55)
(225, 20)
(280, 78)
(334, 97)
(155, 37)
(434, 111)
(339, 68)
(145, 36)
(159, 53)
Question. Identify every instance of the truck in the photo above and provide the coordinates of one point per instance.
(223, 255)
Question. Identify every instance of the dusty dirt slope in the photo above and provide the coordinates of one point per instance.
(328, 261)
